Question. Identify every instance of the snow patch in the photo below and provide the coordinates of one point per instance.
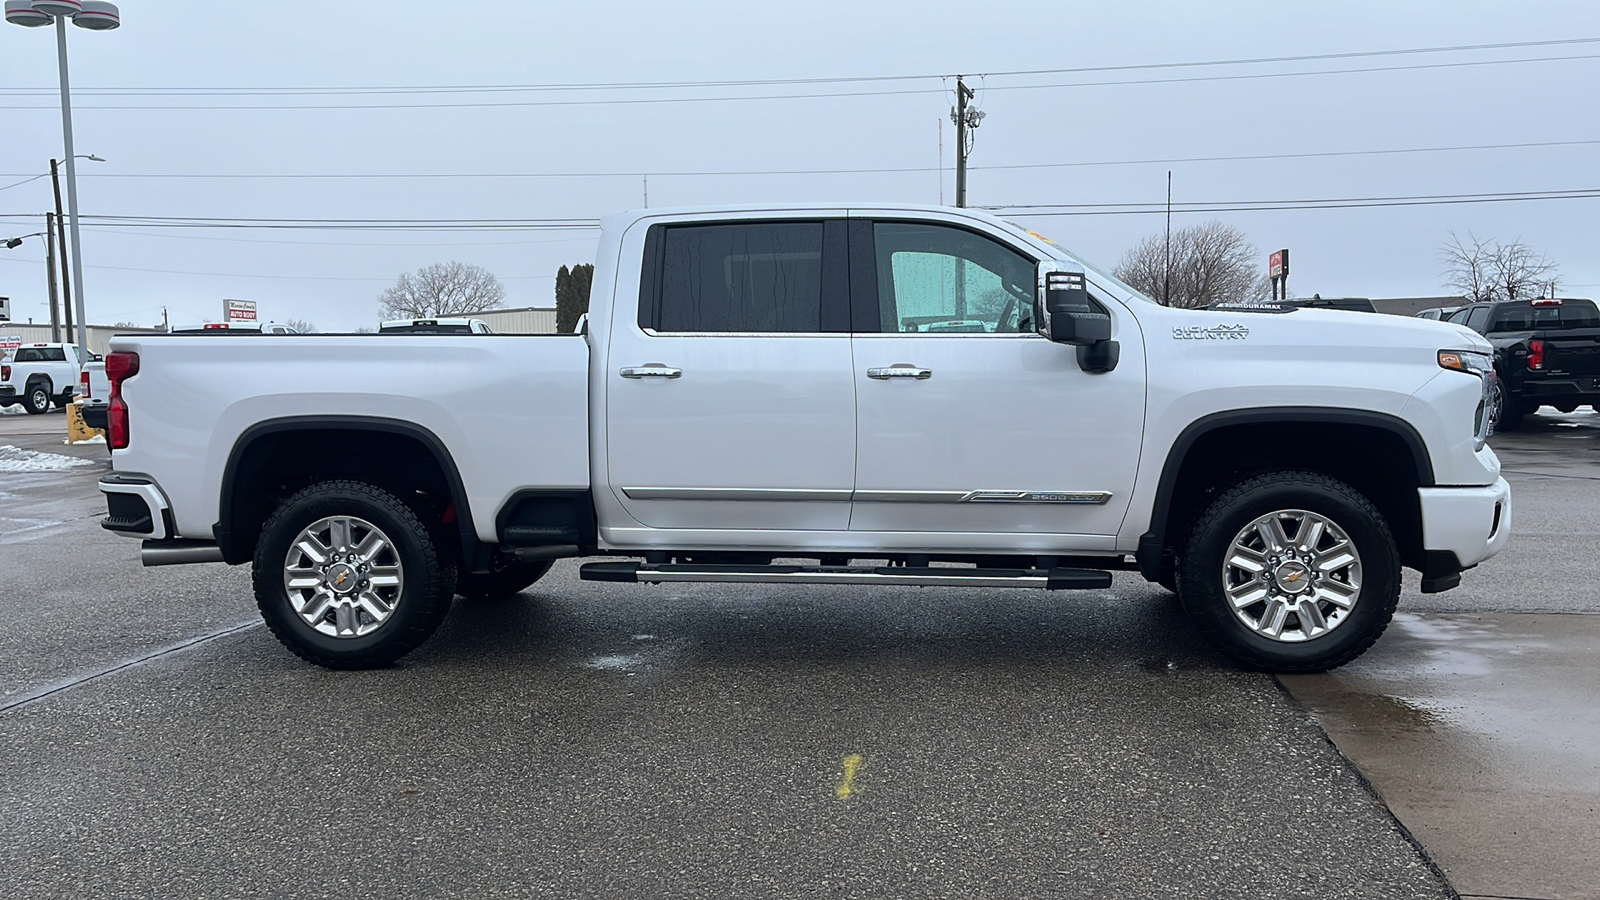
(15, 410)
(16, 459)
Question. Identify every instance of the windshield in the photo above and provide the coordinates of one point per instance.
(1096, 271)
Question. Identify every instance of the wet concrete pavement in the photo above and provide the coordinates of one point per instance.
(1482, 733)
(1477, 716)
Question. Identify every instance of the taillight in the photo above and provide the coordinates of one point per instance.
(83, 382)
(5, 373)
(119, 368)
(1536, 355)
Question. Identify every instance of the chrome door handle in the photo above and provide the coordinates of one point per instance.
(900, 370)
(651, 370)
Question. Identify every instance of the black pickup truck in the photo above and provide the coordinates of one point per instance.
(1547, 353)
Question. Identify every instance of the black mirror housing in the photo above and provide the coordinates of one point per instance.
(1072, 318)
(1079, 327)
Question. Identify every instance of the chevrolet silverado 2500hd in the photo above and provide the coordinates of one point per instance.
(888, 395)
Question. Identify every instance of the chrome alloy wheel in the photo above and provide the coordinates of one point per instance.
(1292, 575)
(343, 576)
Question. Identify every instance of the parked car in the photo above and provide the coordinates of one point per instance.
(1438, 313)
(435, 326)
(233, 328)
(40, 376)
(751, 389)
(94, 390)
(1546, 353)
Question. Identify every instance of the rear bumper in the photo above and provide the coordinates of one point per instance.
(1469, 523)
(96, 415)
(136, 508)
(1562, 388)
(7, 392)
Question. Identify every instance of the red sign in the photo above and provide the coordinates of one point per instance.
(1277, 263)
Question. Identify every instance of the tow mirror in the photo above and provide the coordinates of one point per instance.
(1071, 317)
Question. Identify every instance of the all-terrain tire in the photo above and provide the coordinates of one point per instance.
(1207, 569)
(426, 574)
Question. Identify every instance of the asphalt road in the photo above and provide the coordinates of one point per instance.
(674, 741)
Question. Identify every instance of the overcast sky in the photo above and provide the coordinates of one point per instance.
(1080, 140)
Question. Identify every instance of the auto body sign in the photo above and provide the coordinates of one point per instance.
(239, 310)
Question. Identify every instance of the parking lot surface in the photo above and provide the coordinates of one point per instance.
(600, 740)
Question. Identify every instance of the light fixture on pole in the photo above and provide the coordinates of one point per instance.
(94, 15)
(49, 271)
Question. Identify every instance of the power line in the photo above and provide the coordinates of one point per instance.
(102, 229)
(805, 96)
(1015, 209)
(1253, 157)
(1120, 209)
(756, 82)
(385, 278)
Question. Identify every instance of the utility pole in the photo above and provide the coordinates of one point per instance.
(966, 119)
(1166, 268)
(50, 275)
(61, 223)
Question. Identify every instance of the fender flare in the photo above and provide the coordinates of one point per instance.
(1152, 544)
(472, 549)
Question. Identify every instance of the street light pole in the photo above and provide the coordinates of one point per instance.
(72, 187)
(95, 15)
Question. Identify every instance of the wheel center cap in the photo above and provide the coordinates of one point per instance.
(341, 578)
(1293, 577)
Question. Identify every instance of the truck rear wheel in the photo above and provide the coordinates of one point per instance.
(1291, 572)
(348, 577)
(37, 400)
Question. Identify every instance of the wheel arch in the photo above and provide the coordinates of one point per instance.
(1380, 454)
(263, 463)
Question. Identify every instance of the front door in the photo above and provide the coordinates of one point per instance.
(969, 420)
(730, 403)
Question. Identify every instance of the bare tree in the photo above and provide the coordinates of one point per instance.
(301, 325)
(1482, 269)
(1520, 272)
(1212, 262)
(442, 289)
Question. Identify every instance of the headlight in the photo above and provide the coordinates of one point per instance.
(1469, 361)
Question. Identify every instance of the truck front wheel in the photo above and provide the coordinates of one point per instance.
(348, 577)
(1291, 572)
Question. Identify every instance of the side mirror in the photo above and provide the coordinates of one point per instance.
(1070, 317)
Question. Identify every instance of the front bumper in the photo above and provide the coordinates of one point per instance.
(1469, 523)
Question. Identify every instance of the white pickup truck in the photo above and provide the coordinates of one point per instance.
(41, 375)
(890, 395)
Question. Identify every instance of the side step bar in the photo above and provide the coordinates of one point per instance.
(1048, 579)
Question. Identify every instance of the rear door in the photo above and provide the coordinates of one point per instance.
(730, 400)
(970, 421)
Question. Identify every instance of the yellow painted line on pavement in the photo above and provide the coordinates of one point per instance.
(852, 765)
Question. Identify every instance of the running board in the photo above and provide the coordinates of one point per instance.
(1048, 579)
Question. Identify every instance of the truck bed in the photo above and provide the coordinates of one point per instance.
(513, 409)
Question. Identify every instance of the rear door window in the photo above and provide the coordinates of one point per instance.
(1479, 319)
(745, 277)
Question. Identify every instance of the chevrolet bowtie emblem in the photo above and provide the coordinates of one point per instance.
(340, 580)
(1290, 578)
